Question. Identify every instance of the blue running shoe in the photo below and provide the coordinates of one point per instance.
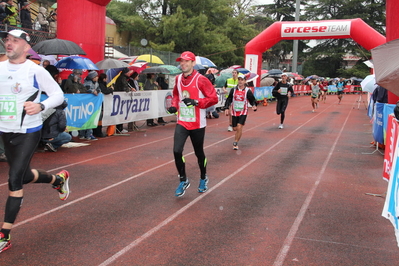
(203, 185)
(181, 189)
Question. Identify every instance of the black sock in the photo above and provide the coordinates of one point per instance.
(13, 205)
(58, 181)
(6, 232)
(44, 177)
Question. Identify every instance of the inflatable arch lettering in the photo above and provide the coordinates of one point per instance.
(356, 29)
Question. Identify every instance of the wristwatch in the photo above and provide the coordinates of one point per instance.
(42, 106)
(196, 102)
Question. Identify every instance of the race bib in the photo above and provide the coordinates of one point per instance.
(238, 105)
(8, 108)
(187, 114)
(283, 90)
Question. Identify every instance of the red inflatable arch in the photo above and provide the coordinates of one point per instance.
(83, 22)
(356, 29)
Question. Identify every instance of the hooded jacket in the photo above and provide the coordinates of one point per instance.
(54, 121)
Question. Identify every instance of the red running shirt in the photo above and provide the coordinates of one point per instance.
(197, 87)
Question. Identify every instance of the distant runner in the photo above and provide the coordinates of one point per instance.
(238, 98)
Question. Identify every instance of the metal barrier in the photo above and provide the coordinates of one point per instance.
(35, 35)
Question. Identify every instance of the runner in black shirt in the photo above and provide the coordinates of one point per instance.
(282, 91)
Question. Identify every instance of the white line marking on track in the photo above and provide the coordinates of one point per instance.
(183, 209)
(295, 226)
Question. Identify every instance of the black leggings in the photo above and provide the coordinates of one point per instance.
(197, 139)
(19, 149)
(282, 104)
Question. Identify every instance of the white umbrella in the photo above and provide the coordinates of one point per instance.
(385, 59)
(368, 83)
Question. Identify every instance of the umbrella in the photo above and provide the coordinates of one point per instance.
(235, 66)
(227, 71)
(173, 70)
(138, 67)
(212, 70)
(199, 67)
(266, 81)
(275, 73)
(33, 55)
(76, 62)
(220, 80)
(129, 59)
(385, 60)
(150, 58)
(57, 47)
(368, 83)
(204, 61)
(251, 76)
(50, 58)
(155, 70)
(243, 70)
(111, 63)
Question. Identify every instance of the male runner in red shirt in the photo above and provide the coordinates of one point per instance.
(192, 94)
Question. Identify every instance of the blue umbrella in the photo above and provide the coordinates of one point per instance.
(204, 61)
(76, 62)
(243, 70)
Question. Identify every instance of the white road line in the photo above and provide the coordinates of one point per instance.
(295, 226)
(118, 183)
(183, 209)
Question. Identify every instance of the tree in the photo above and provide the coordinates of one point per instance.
(218, 30)
(371, 11)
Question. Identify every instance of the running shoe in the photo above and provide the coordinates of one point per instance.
(235, 146)
(280, 126)
(181, 189)
(50, 147)
(82, 137)
(5, 243)
(63, 188)
(91, 137)
(203, 185)
(230, 128)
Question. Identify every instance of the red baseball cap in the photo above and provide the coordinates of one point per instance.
(187, 55)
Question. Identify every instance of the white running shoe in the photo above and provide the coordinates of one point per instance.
(280, 126)
(230, 128)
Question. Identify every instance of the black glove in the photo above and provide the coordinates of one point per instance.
(172, 110)
(189, 101)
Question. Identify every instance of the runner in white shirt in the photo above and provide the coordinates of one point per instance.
(21, 84)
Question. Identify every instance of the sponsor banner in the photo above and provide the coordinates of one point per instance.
(378, 132)
(299, 89)
(313, 29)
(388, 109)
(332, 88)
(83, 110)
(124, 107)
(262, 93)
(391, 205)
(391, 142)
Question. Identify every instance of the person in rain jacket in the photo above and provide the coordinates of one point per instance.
(54, 133)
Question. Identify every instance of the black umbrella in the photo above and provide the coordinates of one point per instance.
(58, 46)
(155, 70)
